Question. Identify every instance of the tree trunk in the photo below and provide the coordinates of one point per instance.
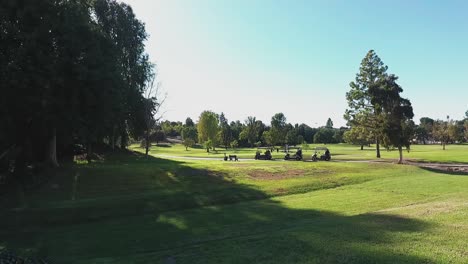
(89, 151)
(377, 146)
(207, 149)
(400, 150)
(113, 139)
(123, 140)
(443, 145)
(147, 142)
(362, 147)
(51, 155)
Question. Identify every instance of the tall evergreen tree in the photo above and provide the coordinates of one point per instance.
(361, 112)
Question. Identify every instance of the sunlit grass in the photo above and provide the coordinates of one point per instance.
(430, 153)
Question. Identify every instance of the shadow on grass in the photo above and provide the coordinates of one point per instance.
(163, 145)
(132, 209)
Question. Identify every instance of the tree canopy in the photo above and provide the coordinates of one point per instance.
(208, 129)
(72, 72)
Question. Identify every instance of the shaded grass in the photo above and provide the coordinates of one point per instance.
(129, 209)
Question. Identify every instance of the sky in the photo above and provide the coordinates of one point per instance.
(261, 57)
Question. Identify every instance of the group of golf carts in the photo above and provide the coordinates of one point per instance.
(320, 153)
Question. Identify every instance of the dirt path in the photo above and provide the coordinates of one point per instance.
(449, 167)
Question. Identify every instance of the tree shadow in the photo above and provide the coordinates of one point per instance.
(191, 215)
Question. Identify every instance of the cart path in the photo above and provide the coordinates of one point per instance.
(192, 158)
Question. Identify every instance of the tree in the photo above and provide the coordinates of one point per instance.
(225, 134)
(440, 132)
(465, 126)
(189, 122)
(455, 130)
(423, 131)
(329, 123)
(188, 143)
(208, 128)
(208, 145)
(396, 113)
(267, 138)
(324, 135)
(250, 131)
(236, 128)
(291, 137)
(307, 132)
(361, 112)
(358, 136)
(158, 136)
(153, 100)
(234, 144)
(278, 129)
(300, 139)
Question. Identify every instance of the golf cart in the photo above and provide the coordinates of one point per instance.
(296, 156)
(321, 153)
(266, 156)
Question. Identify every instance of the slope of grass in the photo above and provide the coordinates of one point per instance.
(129, 209)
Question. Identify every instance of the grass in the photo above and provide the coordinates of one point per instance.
(129, 209)
(426, 153)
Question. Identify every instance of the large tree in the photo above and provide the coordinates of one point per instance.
(71, 72)
(423, 131)
(361, 112)
(278, 129)
(250, 131)
(208, 129)
(225, 134)
(396, 113)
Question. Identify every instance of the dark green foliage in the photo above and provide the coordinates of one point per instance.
(189, 122)
(225, 133)
(423, 131)
(71, 72)
(329, 123)
(278, 129)
(189, 132)
(396, 113)
(324, 135)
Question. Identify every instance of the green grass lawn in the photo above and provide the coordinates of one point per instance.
(130, 209)
(426, 153)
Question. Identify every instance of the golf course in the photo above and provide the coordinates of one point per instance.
(128, 208)
(233, 132)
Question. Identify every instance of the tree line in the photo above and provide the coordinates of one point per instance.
(214, 130)
(72, 73)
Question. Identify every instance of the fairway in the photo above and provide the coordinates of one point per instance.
(455, 153)
(132, 209)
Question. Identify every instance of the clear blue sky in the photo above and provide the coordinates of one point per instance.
(262, 57)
